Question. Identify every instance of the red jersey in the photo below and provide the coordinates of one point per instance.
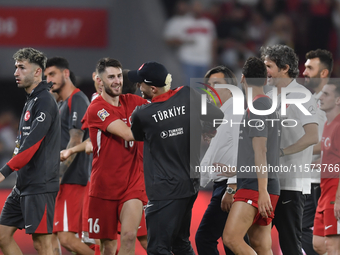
(330, 155)
(116, 162)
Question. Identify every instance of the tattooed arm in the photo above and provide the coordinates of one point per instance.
(76, 137)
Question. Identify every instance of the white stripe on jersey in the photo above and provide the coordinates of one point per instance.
(65, 221)
(338, 227)
(94, 96)
(99, 135)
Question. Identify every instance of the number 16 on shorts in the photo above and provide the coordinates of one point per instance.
(93, 226)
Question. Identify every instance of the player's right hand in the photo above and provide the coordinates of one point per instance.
(227, 202)
(64, 154)
(264, 204)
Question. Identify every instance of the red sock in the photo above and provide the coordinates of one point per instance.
(97, 249)
(93, 247)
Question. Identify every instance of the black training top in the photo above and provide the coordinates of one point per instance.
(171, 130)
(37, 156)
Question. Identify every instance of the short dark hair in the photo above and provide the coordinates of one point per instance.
(229, 76)
(128, 86)
(107, 62)
(58, 62)
(282, 55)
(336, 83)
(325, 56)
(31, 55)
(255, 72)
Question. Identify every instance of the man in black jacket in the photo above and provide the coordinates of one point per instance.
(35, 158)
(171, 130)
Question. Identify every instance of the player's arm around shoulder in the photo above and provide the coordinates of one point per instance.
(119, 128)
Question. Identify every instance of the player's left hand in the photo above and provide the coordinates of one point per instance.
(264, 204)
(337, 209)
(2, 177)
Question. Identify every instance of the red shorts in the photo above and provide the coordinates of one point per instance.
(251, 197)
(85, 226)
(103, 223)
(325, 223)
(68, 208)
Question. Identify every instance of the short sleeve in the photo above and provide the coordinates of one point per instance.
(78, 108)
(84, 122)
(100, 116)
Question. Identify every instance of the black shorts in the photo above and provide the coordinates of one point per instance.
(34, 213)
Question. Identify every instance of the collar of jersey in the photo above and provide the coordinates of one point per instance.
(255, 98)
(165, 96)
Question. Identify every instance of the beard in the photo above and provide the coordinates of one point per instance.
(109, 91)
(146, 95)
(62, 84)
(27, 81)
(313, 82)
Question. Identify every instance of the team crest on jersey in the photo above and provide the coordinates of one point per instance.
(102, 114)
(27, 115)
(327, 143)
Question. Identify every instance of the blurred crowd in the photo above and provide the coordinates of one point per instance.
(8, 132)
(241, 27)
(9, 124)
(228, 32)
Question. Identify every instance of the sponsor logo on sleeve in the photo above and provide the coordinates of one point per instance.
(75, 116)
(312, 109)
(102, 114)
(260, 125)
(41, 117)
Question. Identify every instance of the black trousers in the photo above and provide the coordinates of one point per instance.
(212, 224)
(288, 221)
(308, 219)
(168, 224)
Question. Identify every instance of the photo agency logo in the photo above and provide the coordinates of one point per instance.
(238, 104)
